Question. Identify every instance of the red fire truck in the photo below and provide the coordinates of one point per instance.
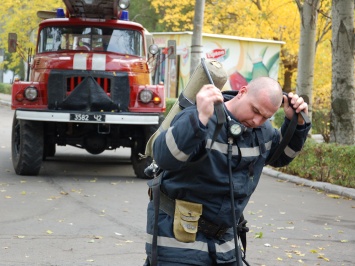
(89, 86)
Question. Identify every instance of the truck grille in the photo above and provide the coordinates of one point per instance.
(72, 82)
(88, 90)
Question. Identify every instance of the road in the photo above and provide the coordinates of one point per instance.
(91, 210)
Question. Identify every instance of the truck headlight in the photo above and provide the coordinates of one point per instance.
(123, 4)
(146, 96)
(31, 93)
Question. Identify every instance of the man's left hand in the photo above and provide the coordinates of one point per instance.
(298, 105)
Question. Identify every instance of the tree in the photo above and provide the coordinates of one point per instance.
(307, 49)
(273, 20)
(142, 12)
(342, 126)
(196, 41)
(21, 17)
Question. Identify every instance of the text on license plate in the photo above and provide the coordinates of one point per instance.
(87, 117)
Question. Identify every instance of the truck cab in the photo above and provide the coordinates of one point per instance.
(89, 87)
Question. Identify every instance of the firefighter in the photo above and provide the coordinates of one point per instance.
(195, 225)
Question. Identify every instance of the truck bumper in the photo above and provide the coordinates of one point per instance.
(123, 118)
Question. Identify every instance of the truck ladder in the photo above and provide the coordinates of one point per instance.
(104, 9)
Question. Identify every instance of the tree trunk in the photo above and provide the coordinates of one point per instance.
(342, 125)
(196, 41)
(307, 50)
(287, 80)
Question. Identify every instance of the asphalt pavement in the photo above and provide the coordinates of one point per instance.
(5, 99)
(77, 212)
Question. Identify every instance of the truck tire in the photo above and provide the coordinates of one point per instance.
(139, 164)
(27, 146)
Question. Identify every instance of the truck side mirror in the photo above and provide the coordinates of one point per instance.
(153, 49)
(12, 42)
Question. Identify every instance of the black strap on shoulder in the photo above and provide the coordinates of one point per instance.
(288, 134)
(285, 140)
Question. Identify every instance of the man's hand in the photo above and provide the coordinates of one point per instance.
(206, 98)
(298, 105)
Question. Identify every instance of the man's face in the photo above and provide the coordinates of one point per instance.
(253, 110)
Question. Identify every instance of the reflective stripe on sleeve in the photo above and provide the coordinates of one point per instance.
(173, 148)
(290, 152)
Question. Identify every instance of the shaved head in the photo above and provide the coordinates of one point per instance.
(266, 87)
(256, 102)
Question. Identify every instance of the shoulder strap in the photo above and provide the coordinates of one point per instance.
(288, 134)
(285, 140)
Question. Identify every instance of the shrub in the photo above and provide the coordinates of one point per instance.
(5, 88)
(324, 162)
(169, 102)
(279, 117)
(321, 123)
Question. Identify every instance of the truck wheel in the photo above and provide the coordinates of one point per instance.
(27, 146)
(139, 164)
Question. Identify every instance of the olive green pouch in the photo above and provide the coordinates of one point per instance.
(186, 219)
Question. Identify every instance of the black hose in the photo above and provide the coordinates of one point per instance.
(231, 189)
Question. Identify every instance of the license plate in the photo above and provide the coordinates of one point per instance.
(87, 117)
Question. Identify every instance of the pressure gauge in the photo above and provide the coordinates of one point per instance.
(235, 129)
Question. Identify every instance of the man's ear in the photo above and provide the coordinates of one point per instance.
(242, 91)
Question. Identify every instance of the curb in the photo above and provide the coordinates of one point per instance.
(327, 187)
(5, 103)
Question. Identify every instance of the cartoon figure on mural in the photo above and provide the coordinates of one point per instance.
(259, 69)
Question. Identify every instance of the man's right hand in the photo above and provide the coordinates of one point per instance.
(206, 98)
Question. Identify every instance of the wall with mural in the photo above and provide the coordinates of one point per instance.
(242, 58)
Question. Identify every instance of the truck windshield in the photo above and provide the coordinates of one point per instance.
(123, 41)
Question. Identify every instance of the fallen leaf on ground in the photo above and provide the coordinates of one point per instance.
(333, 196)
(324, 258)
(258, 235)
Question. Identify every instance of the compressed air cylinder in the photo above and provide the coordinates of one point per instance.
(197, 80)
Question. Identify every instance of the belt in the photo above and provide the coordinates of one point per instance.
(208, 228)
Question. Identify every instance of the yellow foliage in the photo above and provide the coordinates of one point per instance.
(273, 20)
(20, 17)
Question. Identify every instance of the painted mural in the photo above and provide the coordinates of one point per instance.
(244, 59)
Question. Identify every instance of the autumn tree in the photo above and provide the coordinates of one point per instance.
(274, 20)
(141, 11)
(307, 49)
(20, 17)
(343, 94)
